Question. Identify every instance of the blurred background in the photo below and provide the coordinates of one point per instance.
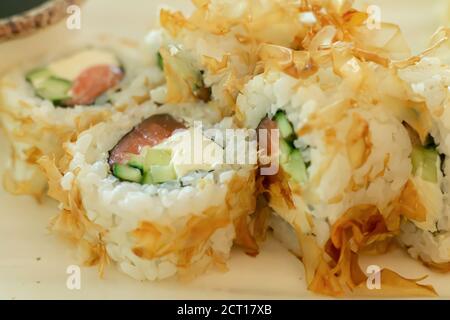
(418, 19)
(133, 18)
(10, 7)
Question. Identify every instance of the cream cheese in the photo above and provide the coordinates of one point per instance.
(71, 67)
(192, 151)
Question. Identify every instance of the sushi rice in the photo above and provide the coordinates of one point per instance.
(36, 127)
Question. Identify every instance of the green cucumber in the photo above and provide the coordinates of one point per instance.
(430, 167)
(291, 159)
(285, 151)
(285, 127)
(160, 61)
(38, 76)
(127, 173)
(161, 174)
(426, 160)
(136, 161)
(416, 159)
(54, 89)
(296, 167)
(147, 178)
(157, 157)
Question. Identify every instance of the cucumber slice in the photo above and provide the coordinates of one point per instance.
(136, 161)
(430, 167)
(160, 61)
(54, 89)
(161, 174)
(38, 76)
(416, 159)
(157, 157)
(147, 178)
(426, 160)
(285, 151)
(285, 127)
(296, 167)
(127, 173)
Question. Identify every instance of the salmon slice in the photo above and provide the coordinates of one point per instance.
(149, 133)
(93, 82)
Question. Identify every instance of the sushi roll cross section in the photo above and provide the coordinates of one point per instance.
(77, 80)
(143, 202)
(426, 234)
(48, 102)
(343, 151)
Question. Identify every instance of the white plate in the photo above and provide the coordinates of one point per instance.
(33, 263)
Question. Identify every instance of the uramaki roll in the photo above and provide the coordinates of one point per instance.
(426, 235)
(128, 195)
(343, 152)
(48, 102)
(210, 54)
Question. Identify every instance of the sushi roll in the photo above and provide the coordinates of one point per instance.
(210, 54)
(48, 101)
(133, 191)
(426, 236)
(335, 159)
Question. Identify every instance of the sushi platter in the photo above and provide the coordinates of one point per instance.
(103, 196)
